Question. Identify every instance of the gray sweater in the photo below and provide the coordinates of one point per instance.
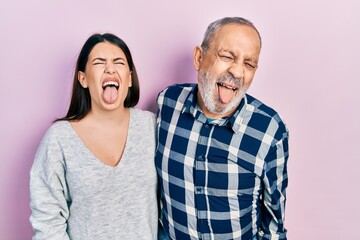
(76, 196)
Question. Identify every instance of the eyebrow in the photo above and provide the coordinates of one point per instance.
(118, 59)
(99, 59)
(104, 60)
(252, 59)
(228, 51)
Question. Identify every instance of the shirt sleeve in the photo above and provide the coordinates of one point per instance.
(274, 197)
(48, 191)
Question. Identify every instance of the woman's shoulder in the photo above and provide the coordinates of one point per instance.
(50, 147)
(143, 118)
(58, 128)
(143, 114)
(55, 134)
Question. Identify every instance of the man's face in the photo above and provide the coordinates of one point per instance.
(227, 69)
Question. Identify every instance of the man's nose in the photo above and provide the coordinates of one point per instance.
(236, 70)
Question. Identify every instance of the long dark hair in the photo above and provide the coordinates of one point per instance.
(80, 103)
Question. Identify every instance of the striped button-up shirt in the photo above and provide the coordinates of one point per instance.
(220, 178)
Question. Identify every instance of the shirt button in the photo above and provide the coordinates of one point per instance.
(200, 158)
(198, 189)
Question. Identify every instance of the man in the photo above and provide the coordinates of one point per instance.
(222, 154)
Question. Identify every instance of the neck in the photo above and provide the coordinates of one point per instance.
(116, 116)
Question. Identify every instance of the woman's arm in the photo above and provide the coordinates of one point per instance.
(48, 192)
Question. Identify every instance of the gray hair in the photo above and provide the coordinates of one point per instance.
(213, 27)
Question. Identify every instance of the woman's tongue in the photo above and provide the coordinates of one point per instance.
(110, 94)
(225, 94)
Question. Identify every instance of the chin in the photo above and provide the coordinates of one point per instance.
(222, 108)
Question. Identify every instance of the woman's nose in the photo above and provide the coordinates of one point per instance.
(109, 68)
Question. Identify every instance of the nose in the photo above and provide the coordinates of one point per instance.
(109, 68)
(236, 70)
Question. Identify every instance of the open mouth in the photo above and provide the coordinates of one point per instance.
(220, 84)
(111, 92)
(110, 84)
(226, 92)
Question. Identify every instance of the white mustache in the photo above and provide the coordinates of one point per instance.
(230, 79)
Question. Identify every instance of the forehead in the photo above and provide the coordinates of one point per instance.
(106, 50)
(237, 38)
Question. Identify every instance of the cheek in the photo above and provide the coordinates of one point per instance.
(123, 73)
(126, 79)
(121, 68)
(125, 82)
(215, 67)
(94, 76)
(248, 78)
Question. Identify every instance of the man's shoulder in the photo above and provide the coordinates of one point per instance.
(173, 91)
(260, 107)
(264, 113)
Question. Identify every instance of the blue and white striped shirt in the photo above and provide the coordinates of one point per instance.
(222, 178)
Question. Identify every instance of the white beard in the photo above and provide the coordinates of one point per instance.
(208, 91)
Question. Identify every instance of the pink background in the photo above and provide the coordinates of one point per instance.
(309, 72)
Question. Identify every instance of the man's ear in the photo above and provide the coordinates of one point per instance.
(82, 79)
(198, 52)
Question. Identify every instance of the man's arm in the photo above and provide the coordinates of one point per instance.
(274, 197)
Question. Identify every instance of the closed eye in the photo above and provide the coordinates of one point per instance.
(226, 58)
(251, 65)
(98, 61)
(119, 61)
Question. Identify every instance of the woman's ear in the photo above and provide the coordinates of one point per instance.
(82, 79)
(198, 51)
(130, 79)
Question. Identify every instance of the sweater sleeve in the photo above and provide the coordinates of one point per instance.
(48, 192)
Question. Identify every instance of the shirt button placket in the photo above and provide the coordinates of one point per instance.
(200, 180)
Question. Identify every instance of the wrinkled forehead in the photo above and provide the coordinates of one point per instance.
(107, 50)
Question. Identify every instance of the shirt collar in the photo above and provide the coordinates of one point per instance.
(234, 121)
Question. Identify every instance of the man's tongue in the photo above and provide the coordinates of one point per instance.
(110, 94)
(225, 94)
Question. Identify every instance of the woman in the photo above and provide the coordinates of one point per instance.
(93, 176)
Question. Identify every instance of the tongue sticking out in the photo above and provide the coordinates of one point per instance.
(225, 94)
(110, 94)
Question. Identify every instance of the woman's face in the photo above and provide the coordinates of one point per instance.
(107, 76)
